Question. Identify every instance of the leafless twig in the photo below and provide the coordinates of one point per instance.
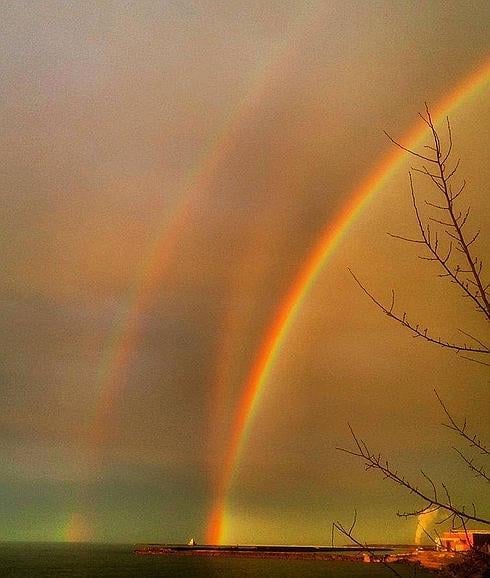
(431, 499)
(445, 240)
(349, 533)
(478, 470)
(468, 276)
(461, 429)
(416, 329)
(443, 234)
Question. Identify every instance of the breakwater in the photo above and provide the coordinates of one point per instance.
(253, 551)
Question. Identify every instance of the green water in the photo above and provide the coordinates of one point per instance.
(86, 560)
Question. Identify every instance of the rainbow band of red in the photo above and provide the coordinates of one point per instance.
(278, 331)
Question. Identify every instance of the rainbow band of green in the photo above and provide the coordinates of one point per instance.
(287, 311)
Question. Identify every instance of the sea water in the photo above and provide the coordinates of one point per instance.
(22, 560)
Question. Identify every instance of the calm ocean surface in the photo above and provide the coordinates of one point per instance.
(86, 560)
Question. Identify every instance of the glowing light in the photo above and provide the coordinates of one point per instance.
(424, 521)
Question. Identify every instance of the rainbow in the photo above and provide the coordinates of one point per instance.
(122, 341)
(291, 303)
(77, 529)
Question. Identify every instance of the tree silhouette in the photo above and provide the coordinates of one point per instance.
(444, 237)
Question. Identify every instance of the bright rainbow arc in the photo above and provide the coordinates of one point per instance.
(278, 331)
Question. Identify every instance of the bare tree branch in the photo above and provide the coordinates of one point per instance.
(475, 468)
(349, 533)
(431, 499)
(468, 278)
(440, 161)
(428, 159)
(442, 231)
(415, 329)
(460, 428)
(475, 360)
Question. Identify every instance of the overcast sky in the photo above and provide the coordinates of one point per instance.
(166, 169)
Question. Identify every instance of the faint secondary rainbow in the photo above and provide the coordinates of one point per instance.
(278, 330)
(123, 339)
(77, 529)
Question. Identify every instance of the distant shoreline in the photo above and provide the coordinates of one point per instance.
(391, 554)
(253, 554)
(278, 552)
